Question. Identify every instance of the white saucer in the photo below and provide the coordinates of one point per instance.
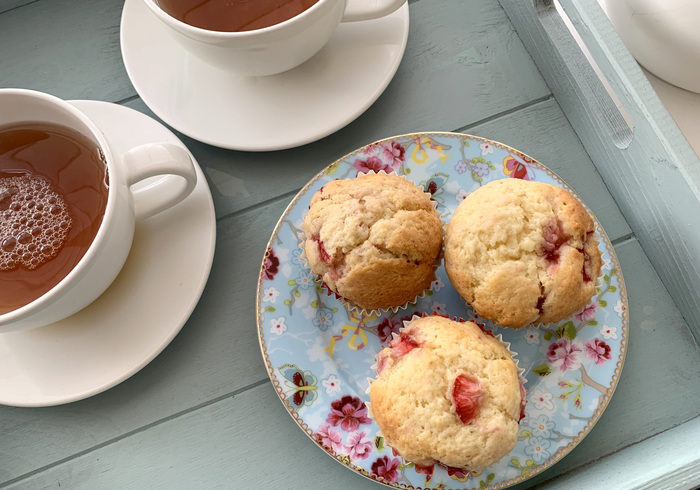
(262, 113)
(141, 312)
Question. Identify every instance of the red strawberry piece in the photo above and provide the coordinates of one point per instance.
(587, 267)
(324, 255)
(467, 394)
(403, 344)
(554, 238)
(382, 361)
(523, 401)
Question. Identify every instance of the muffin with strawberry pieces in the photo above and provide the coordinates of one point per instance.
(375, 240)
(522, 252)
(447, 393)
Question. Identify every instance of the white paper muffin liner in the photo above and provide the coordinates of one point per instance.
(348, 304)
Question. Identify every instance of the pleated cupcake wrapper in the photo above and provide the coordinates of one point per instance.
(374, 367)
(348, 304)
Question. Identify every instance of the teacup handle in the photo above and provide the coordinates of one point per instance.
(153, 159)
(356, 10)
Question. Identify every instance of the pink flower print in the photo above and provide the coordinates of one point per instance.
(386, 469)
(389, 151)
(358, 447)
(271, 265)
(372, 163)
(349, 412)
(387, 328)
(588, 313)
(330, 438)
(598, 350)
(393, 152)
(565, 354)
(461, 195)
(461, 167)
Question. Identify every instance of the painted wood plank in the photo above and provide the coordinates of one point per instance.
(68, 48)
(540, 130)
(247, 441)
(670, 460)
(684, 107)
(6, 5)
(658, 390)
(656, 178)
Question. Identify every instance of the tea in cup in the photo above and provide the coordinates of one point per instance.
(261, 37)
(67, 210)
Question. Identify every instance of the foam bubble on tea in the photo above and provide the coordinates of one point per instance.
(35, 223)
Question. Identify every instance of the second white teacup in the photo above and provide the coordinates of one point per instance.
(273, 49)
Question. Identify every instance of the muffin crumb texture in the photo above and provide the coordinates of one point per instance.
(447, 393)
(374, 239)
(522, 252)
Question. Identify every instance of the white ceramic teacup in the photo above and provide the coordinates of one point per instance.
(277, 48)
(663, 37)
(109, 249)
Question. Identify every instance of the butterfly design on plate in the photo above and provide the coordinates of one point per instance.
(518, 167)
(435, 185)
(301, 384)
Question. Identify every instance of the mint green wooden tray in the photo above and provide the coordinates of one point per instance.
(204, 414)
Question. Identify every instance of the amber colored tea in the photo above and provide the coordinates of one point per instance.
(234, 15)
(53, 194)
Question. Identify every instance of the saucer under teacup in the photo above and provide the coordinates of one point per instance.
(276, 112)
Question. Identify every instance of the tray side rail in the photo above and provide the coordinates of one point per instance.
(648, 166)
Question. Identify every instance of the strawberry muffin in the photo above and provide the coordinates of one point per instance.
(375, 240)
(522, 252)
(447, 393)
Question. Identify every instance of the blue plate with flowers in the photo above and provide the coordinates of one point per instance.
(318, 355)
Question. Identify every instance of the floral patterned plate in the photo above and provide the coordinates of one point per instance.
(318, 356)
